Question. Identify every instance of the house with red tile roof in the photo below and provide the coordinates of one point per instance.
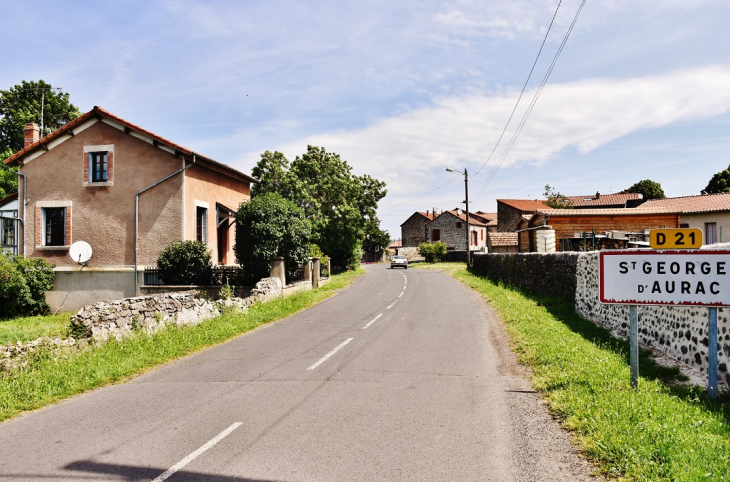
(413, 230)
(128, 193)
(510, 211)
(502, 242)
(607, 201)
(450, 228)
(709, 212)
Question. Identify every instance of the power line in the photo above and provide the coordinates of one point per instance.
(532, 104)
(523, 89)
(510, 117)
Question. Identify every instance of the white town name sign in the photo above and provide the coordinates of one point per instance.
(700, 278)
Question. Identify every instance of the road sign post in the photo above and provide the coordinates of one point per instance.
(668, 277)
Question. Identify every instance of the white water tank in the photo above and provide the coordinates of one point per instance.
(545, 240)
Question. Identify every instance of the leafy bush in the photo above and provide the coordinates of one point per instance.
(267, 227)
(23, 285)
(433, 252)
(186, 263)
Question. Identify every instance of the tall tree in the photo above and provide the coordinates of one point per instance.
(269, 226)
(648, 189)
(720, 182)
(21, 104)
(338, 203)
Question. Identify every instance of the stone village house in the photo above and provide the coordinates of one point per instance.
(127, 192)
(450, 228)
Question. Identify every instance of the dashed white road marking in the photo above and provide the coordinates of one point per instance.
(373, 321)
(391, 305)
(324, 358)
(401, 294)
(192, 456)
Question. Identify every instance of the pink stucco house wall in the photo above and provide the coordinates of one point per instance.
(89, 179)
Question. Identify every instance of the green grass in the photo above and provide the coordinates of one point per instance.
(33, 327)
(439, 266)
(49, 381)
(661, 431)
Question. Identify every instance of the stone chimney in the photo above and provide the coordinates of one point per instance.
(32, 134)
(598, 195)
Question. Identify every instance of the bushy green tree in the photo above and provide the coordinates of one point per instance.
(720, 182)
(21, 104)
(556, 200)
(433, 252)
(648, 189)
(186, 263)
(270, 226)
(23, 285)
(376, 240)
(339, 203)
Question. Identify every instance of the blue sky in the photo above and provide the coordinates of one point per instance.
(402, 90)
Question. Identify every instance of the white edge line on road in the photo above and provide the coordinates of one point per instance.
(374, 320)
(391, 305)
(324, 358)
(401, 293)
(192, 456)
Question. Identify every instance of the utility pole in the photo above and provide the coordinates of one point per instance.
(466, 201)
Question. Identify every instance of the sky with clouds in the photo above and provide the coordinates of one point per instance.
(403, 90)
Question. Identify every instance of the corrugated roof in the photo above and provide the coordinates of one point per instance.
(604, 199)
(693, 204)
(98, 112)
(503, 239)
(524, 204)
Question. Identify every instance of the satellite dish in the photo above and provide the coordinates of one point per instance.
(80, 252)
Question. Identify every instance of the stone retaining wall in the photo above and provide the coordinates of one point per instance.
(678, 332)
(552, 274)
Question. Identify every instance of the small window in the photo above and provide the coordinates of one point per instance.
(710, 233)
(201, 224)
(99, 166)
(482, 231)
(435, 235)
(458, 225)
(8, 233)
(54, 226)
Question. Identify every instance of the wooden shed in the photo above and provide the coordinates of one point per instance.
(568, 222)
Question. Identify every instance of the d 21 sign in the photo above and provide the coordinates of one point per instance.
(700, 278)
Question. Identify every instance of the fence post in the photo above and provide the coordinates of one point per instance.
(315, 272)
(308, 270)
(278, 271)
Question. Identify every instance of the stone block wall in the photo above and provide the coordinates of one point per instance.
(678, 332)
(552, 274)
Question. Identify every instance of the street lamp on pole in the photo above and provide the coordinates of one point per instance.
(466, 202)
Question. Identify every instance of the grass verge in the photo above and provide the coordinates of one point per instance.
(33, 327)
(48, 381)
(658, 432)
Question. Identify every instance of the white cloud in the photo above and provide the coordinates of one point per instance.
(462, 130)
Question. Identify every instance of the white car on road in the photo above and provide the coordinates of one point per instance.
(399, 261)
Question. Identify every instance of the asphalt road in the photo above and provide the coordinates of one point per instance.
(405, 375)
